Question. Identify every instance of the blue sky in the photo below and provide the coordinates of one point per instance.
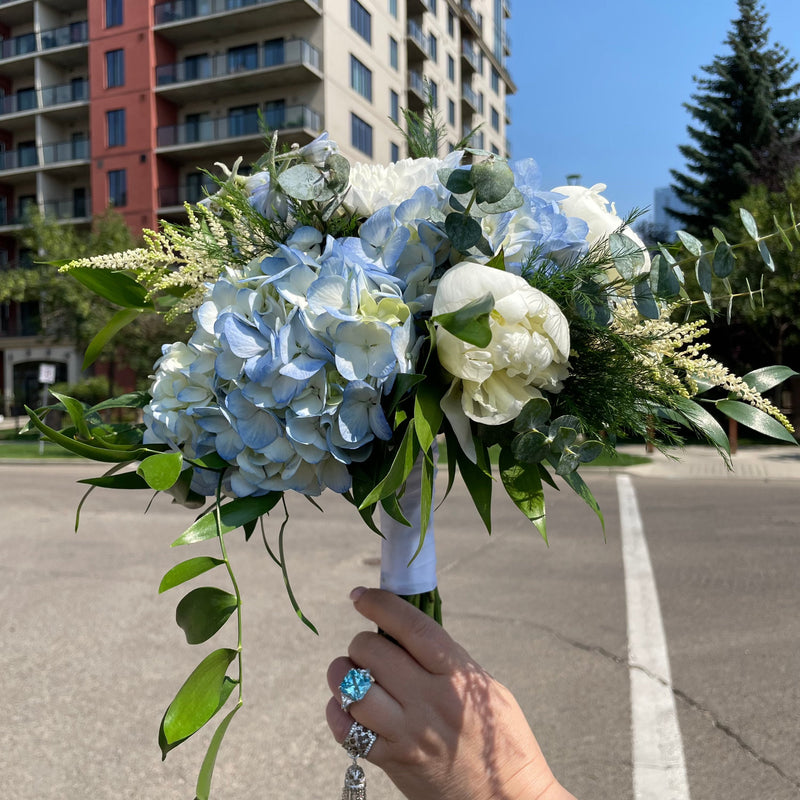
(600, 85)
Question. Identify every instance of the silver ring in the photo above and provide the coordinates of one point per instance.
(359, 741)
(354, 686)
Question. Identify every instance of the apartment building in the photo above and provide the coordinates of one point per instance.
(120, 102)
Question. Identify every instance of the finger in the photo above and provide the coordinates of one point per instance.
(390, 664)
(421, 636)
(378, 709)
(340, 723)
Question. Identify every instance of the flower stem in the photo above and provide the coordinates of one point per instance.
(234, 584)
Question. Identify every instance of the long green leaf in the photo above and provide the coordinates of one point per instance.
(125, 480)
(470, 323)
(129, 400)
(764, 379)
(523, 483)
(702, 421)
(118, 287)
(87, 451)
(399, 470)
(756, 419)
(76, 412)
(578, 485)
(121, 319)
(187, 570)
(198, 700)
(479, 486)
(203, 788)
(428, 415)
(234, 514)
(203, 611)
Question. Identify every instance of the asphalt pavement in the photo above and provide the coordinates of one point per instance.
(92, 656)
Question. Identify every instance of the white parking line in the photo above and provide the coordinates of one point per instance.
(659, 767)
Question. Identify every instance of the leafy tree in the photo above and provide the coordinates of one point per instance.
(747, 111)
(767, 332)
(70, 313)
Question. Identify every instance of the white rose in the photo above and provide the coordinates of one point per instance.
(373, 186)
(528, 351)
(601, 216)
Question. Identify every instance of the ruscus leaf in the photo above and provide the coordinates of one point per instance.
(187, 570)
(161, 470)
(234, 514)
(756, 419)
(203, 611)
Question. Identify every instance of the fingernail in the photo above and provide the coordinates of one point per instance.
(357, 592)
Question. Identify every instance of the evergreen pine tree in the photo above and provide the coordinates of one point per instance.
(747, 113)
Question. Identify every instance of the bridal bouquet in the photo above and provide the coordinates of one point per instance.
(345, 318)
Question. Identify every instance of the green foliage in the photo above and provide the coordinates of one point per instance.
(746, 110)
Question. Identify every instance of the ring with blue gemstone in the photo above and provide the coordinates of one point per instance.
(354, 686)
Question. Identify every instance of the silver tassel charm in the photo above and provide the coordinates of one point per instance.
(355, 783)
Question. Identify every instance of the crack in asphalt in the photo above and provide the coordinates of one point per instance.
(689, 701)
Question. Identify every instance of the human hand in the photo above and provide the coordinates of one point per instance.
(446, 729)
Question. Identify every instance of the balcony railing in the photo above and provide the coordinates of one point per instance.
(469, 54)
(416, 35)
(76, 91)
(472, 97)
(189, 193)
(231, 127)
(417, 84)
(74, 150)
(68, 208)
(179, 10)
(293, 52)
(472, 14)
(25, 44)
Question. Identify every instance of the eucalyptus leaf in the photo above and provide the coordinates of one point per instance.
(749, 222)
(644, 301)
(198, 700)
(533, 416)
(530, 447)
(691, 243)
(514, 199)
(704, 274)
(663, 281)
(589, 451)
(203, 611)
(492, 180)
(724, 260)
(782, 233)
(567, 463)
(470, 323)
(766, 256)
(463, 231)
(456, 181)
(234, 514)
(339, 172)
(628, 257)
(756, 419)
(187, 570)
(302, 182)
(524, 486)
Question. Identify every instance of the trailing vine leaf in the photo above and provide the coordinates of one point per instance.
(235, 514)
(202, 695)
(162, 470)
(203, 788)
(203, 611)
(187, 570)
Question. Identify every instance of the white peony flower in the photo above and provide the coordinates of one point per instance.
(528, 351)
(601, 217)
(373, 186)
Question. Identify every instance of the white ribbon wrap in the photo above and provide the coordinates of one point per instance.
(401, 542)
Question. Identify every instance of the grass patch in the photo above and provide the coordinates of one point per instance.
(29, 448)
(618, 460)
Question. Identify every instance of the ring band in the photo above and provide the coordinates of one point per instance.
(354, 686)
(359, 741)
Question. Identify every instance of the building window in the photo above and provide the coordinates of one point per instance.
(393, 8)
(274, 53)
(451, 22)
(26, 98)
(361, 20)
(480, 102)
(451, 68)
(451, 112)
(118, 187)
(360, 78)
(394, 152)
(243, 120)
(495, 149)
(361, 135)
(393, 57)
(113, 13)
(433, 88)
(432, 7)
(115, 68)
(495, 79)
(243, 58)
(433, 48)
(115, 127)
(275, 114)
(394, 106)
(495, 118)
(197, 67)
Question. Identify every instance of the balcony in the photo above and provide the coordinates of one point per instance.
(417, 7)
(508, 114)
(176, 196)
(73, 209)
(296, 123)
(472, 17)
(76, 91)
(417, 86)
(77, 33)
(471, 56)
(184, 21)
(471, 98)
(418, 43)
(507, 9)
(14, 13)
(273, 65)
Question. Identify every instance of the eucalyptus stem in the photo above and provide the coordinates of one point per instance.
(234, 584)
